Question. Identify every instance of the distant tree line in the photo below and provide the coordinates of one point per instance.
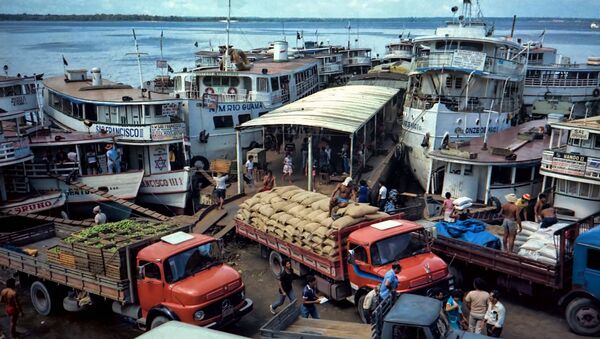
(138, 17)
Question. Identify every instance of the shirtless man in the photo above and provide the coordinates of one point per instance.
(537, 209)
(13, 309)
(510, 211)
(341, 196)
(548, 216)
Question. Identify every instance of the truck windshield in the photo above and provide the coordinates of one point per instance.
(397, 247)
(192, 261)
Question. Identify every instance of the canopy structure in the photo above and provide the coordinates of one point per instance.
(345, 109)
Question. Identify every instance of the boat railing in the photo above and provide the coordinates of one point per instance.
(240, 96)
(306, 85)
(331, 68)
(10, 151)
(358, 61)
(536, 81)
(457, 103)
(492, 65)
(556, 160)
(37, 169)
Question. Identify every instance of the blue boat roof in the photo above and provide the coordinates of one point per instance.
(412, 309)
(590, 238)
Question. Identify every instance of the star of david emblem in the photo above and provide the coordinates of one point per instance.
(160, 163)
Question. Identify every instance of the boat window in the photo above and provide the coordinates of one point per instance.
(274, 84)
(158, 110)
(584, 190)
(561, 186)
(263, 85)
(207, 81)
(242, 118)
(468, 170)
(501, 175)
(454, 168)
(446, 45)
(178, 84)
(90, 112)
(360, 254)
(595, 192)
(471, 46)
(224, 121)
(586, 143)
(234, 82)
(574, 142)
(572, 187)
(597, 140)
(593, 259)
(523, 174)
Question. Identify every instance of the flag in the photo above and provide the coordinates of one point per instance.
(542, 35)
(65, 61)
(196, 44)
(298, 36)
(400, 36)
(170, 69)
(134, 37)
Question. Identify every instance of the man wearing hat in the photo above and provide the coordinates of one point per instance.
(341, 196)
(113, 159)
(511, 222)
(99, 218)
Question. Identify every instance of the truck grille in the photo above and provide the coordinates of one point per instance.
(216, 308)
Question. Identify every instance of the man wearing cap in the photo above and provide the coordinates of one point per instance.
(341, 196)
(112, 159)
(510, 211)
(522, 203)
(99, 218)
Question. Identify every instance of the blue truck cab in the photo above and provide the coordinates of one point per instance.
(583, 301)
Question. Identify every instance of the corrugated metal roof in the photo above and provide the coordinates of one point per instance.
(343, 109)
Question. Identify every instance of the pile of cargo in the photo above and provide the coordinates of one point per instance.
(302, 217)
(537, 244)
(100, 249)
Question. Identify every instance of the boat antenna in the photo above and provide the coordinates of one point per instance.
(349, 28)
(226, 62)
(137, 54)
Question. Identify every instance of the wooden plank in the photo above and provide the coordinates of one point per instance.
(209, 220)
(331, 328)
(459, 153)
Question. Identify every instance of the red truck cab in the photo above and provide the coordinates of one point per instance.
(183, 278)
(373, 249)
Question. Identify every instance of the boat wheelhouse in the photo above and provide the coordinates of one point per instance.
(508, 163)
(398, 51)
(217, 100)
(571, 165)
(553, 84)
(356, 60)
(458, 77)
(19, 117)
(150, 129)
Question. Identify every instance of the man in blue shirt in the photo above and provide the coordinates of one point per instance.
(390, 281)
(309, 298)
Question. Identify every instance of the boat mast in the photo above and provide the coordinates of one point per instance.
(226, 62)
(139, 62)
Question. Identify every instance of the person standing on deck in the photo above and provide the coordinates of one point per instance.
(92, 162)
(382, 197)
(12, 307)
(523, 205)
(476, 301)
(511, 222)
(447, 207)
(310, 299)
(548, 216)
(112, 159)
(537, 209)
(99, 218)
(250, 169)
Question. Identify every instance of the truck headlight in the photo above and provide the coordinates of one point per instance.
(199, 315)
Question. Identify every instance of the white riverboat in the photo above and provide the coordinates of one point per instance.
(20, 116)
(150, 130)
(458, 77)
(398, 51)
(217, 100)
(553, 84)
(571, 166)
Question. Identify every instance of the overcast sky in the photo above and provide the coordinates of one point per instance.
(306, 8)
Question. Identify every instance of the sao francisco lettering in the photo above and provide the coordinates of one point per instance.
(128, 132)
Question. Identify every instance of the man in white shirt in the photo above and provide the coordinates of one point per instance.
(250, 170)
(99, 218)
(220, 188)
(495, 315)
(382, 197)
(370, 302)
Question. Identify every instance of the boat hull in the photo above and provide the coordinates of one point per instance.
(166, 189)
(36, 204)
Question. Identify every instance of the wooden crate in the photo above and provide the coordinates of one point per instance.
(220, 166)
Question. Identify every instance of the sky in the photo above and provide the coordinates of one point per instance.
(306, 8)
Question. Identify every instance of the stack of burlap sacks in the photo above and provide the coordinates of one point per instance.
(539, 244)
(301, 217)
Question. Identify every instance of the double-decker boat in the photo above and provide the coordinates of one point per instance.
(20, 116)
(463, 82)
(148, 127)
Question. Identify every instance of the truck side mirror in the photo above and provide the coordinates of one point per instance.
(141, 272)
(221, 245)
(351, 260)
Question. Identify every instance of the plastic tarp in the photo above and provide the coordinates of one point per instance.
(470, 230)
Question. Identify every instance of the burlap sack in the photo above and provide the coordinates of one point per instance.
(267, 211)
(321, 231)
(322, 204)
(295, 211)
(316, 240)
(279, 233)
(276, 200)
(303, 214)
(327, 222)
(260, 195)
(360, 210)
(289, 194)
(330, 242)
(314, 215)
(311, 227)
(267, 197)
(298, 197)
(329, 251)
(250, 202)
(244, 206)
(294, 222)
(345, 221)
(306, 235)
(289, 206)
(282, 189)
(290, 231)
(312, 198)
(284, 217)
(256, 207)
(279, 206)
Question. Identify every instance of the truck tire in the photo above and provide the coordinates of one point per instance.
(276, 263)
(159, 320)
(359, 308)
(583, 316)
(42, 299)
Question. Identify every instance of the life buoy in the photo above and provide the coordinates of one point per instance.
(209, 90)
(547, 95)
(596, 92)
(232, 90)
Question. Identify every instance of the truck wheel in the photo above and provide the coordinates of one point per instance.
(41, 298)
(159, 320)
(583, 317)
(360, 310)
(276, 263)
